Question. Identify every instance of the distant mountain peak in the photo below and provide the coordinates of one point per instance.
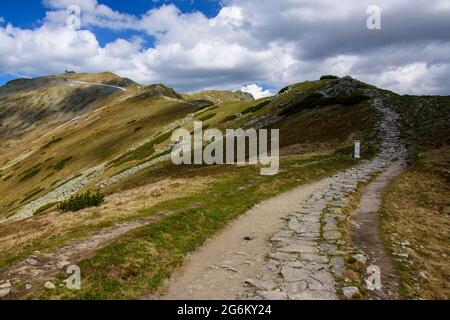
(157, 90)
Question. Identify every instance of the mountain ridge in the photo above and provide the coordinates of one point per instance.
(143, 118)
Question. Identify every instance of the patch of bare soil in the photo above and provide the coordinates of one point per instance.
(365, 232)
(219, 269)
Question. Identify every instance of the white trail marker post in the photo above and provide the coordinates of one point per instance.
(357, 149)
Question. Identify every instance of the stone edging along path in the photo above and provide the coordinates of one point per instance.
(308, 252)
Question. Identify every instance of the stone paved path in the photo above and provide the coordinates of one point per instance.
(220, 267)
(307, 256)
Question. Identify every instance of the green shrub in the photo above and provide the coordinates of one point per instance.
(257, 107)
(81, 201)
(30, 173)
(202, 104)
(328, 77)
(47, 176)
(351, 100)
(51, 143)
(316, 100)
(284, 89)
(32, 193)
(7, 177)
(313, 100)
(230, 118)
(62, 163)
(44, 208)
(143, 151)
(207, 117)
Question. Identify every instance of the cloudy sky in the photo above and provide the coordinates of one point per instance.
(259, 45)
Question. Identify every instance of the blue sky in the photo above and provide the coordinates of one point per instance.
(28, 14)
(257, 45)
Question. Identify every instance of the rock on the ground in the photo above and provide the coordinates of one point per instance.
(5, 285)
(4, 292)
(294, 274)
(261, 285)
(272, 295)
(62, 264)
(32, 261)
(360, 258)
(350, 292)
(49, 285)
(5, 288)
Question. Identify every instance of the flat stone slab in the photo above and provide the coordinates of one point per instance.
(332, 235)
(302, 242)
(294, 274)
(4, 292)
(350, 292)
(261, 285)
(294, 225)
(282, 256)
(299, 249)
(313, 258)
(272, 295)
(338, 265)
(313, 295)
(328, 248)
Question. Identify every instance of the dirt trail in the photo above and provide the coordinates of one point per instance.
(219, 269)
(42, 267)
(365, 232)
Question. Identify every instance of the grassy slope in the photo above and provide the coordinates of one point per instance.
(88, 144)
(420, 215)
(219, 96)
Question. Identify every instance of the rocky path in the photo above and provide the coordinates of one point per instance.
(220, 268)
(39, 270)
(308, 256)
(305, 258)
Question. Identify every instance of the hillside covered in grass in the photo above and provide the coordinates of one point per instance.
(79, 131)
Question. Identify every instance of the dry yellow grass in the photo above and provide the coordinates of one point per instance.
(90, 143)
(421, 217)
(19, 236)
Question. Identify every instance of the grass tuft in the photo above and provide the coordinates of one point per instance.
(81, 201)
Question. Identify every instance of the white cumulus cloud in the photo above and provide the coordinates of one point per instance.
(247, 42)
(257, 91)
